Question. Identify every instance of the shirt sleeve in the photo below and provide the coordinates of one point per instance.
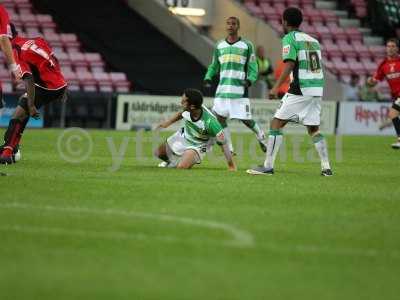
(214, 128)
(252, 66)
(213, 68)
(4, 22)
(289, 51)
(25, 69)
(379, 74)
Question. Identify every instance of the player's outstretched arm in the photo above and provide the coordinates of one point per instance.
(166, 124)
(225, 149)
(6, 47)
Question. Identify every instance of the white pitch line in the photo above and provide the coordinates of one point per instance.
(240, 238)
(114, 235)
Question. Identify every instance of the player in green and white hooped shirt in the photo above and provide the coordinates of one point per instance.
(235, 62)
(201, 129)
(301, 54)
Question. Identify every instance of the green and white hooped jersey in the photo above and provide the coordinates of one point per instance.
(199, 132)
(235, 63)
(305, 51)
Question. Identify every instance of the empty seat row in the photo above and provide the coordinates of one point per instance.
(300, 3)
(344, 51)
(32, 20)
(93, 82)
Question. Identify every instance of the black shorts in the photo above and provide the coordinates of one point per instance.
(43, 97)
(396, 104)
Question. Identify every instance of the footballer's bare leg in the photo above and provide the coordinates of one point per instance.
(188, 159)
(222, 120)
(253, 126)
(322, 149)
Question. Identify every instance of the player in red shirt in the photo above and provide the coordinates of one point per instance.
(44, 83)
(5, 46)
(389, 69)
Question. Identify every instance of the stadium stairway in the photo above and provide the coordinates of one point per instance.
(128, 43)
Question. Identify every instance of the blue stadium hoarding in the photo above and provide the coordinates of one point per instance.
(8, 110)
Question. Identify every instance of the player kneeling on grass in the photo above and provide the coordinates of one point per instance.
(201, 129)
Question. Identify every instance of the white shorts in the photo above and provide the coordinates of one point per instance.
(233, 108)
(305, 110)
(178, 145)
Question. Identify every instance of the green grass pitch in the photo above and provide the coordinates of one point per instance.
(117, 227)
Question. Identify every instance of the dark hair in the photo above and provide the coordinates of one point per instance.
(234, 18)
(393, 40)
(14, 31)
(195, 97)
(293, 16)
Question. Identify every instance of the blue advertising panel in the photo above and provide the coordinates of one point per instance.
(7, 112)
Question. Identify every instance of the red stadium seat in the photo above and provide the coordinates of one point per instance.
(72, 79)
(29, 20)
(23, 5)
(309, 29)
(78, 59)
(358, 68)
(46, 22)
(323, 32)
(254, 9)
(17, 21)
(369, 66)
(328, 64)
(348, 50)
(63, 58)
(87, 81)
(362, 50)
(120, 82)
(313, 15)
(377, 52)
(70, 42)
(94, 58)
(53, 39)
(104, 82)
(342, 68)
(329, 16)
(337, 32)
(293, 3)
(332, 51)
(95, 61)
(361, 12)
(307, 3)
(353, 34)
(270, 13)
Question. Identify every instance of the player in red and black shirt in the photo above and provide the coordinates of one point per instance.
(389, 69)
(43, 81)
(5, 46)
